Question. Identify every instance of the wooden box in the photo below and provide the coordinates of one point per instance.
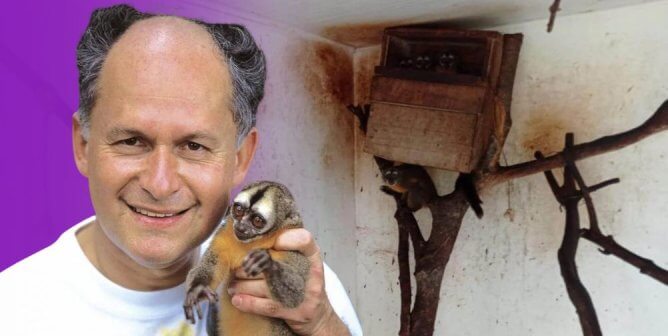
(433, 97)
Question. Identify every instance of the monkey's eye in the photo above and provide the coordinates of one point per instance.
(258, 222)
(237, 211)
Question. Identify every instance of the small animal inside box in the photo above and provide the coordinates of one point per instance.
(433, 97)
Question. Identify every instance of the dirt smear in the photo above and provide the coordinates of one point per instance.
(357, 35)
(326, 72)
(365, 64)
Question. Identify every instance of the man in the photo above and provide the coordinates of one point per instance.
(164, 131)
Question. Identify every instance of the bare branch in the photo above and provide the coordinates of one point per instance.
(405, 218)
(603, 184)
(610, 246)
(404, 280)
(568, 196)
(551, 180)
(656, 123)
(553, 15)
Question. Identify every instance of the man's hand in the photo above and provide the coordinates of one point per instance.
(315, 315)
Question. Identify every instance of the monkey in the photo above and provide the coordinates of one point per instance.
(465, 182)
(448, 62)
(412, 181)
(422, 62)
(259, 213)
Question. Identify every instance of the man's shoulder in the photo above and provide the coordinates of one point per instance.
(44, 264)
(30, 270)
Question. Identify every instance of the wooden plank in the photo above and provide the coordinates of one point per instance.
(423, 136)
(468, 99)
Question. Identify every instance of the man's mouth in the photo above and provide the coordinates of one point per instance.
(160, 214)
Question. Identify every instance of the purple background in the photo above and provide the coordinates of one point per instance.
(43, 194)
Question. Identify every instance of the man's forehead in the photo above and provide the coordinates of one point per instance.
(156, 31)
(166, 57)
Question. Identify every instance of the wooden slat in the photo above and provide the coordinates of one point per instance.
(460, 98)
(428, 137)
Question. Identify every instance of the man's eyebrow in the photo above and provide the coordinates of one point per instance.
(200, 136)
(118, 132)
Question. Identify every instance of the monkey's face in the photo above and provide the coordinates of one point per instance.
(252, 214)
(391, 176)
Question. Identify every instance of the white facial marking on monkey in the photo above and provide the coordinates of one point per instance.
(264, 207)
(243, 198)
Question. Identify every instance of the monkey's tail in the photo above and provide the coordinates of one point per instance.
(465, 182)
(212, 319)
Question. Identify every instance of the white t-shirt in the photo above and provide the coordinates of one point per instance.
(57, 291)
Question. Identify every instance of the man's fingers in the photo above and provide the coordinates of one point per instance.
(297, 240)
(240, 274)
(257, 288)
(259, 306)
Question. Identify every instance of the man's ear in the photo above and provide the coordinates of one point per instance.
(80, 145)
(244, 156)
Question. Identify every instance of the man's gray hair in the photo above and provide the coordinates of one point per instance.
(244, 58)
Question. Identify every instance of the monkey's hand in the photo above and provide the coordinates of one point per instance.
(194, 296)
(257, 262)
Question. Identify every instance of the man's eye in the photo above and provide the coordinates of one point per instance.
(194, 146)
(130, 142)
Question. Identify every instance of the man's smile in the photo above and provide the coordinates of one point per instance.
(157, 213)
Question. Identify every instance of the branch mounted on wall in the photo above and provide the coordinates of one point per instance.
(432, 254)
(569, 195)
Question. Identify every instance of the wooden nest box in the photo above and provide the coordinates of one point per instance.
(433, 97)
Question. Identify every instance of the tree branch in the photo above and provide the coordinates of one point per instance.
(405, 218)
(569, 196)
(610, 246)
(404, 280)
(656, 123)
(553, 15)
(551, 180)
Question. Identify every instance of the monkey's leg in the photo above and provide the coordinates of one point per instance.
(285, 273)
(201, 284)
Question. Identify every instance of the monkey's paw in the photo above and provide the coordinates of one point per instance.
(194, 296)
(256, 262)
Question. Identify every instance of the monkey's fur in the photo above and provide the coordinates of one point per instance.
(413, 182)
(417, 188)
(465, 182)
(261, 211)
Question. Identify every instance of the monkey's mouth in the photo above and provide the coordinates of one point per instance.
(243, 236)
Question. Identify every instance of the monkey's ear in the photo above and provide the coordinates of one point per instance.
(80, 145)
(244, 156)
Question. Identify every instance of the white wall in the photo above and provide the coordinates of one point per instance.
(595, 74)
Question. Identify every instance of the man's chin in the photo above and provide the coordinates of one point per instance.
(159, 254)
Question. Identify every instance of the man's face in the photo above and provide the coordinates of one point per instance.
(161, 156)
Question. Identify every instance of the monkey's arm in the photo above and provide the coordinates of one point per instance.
(286, 273)
(202, 282)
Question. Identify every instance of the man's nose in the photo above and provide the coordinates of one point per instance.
(161, 178)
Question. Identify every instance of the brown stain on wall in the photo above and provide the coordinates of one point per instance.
(364, 69)
(326, 72)
(545, 133)
(357, 35)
